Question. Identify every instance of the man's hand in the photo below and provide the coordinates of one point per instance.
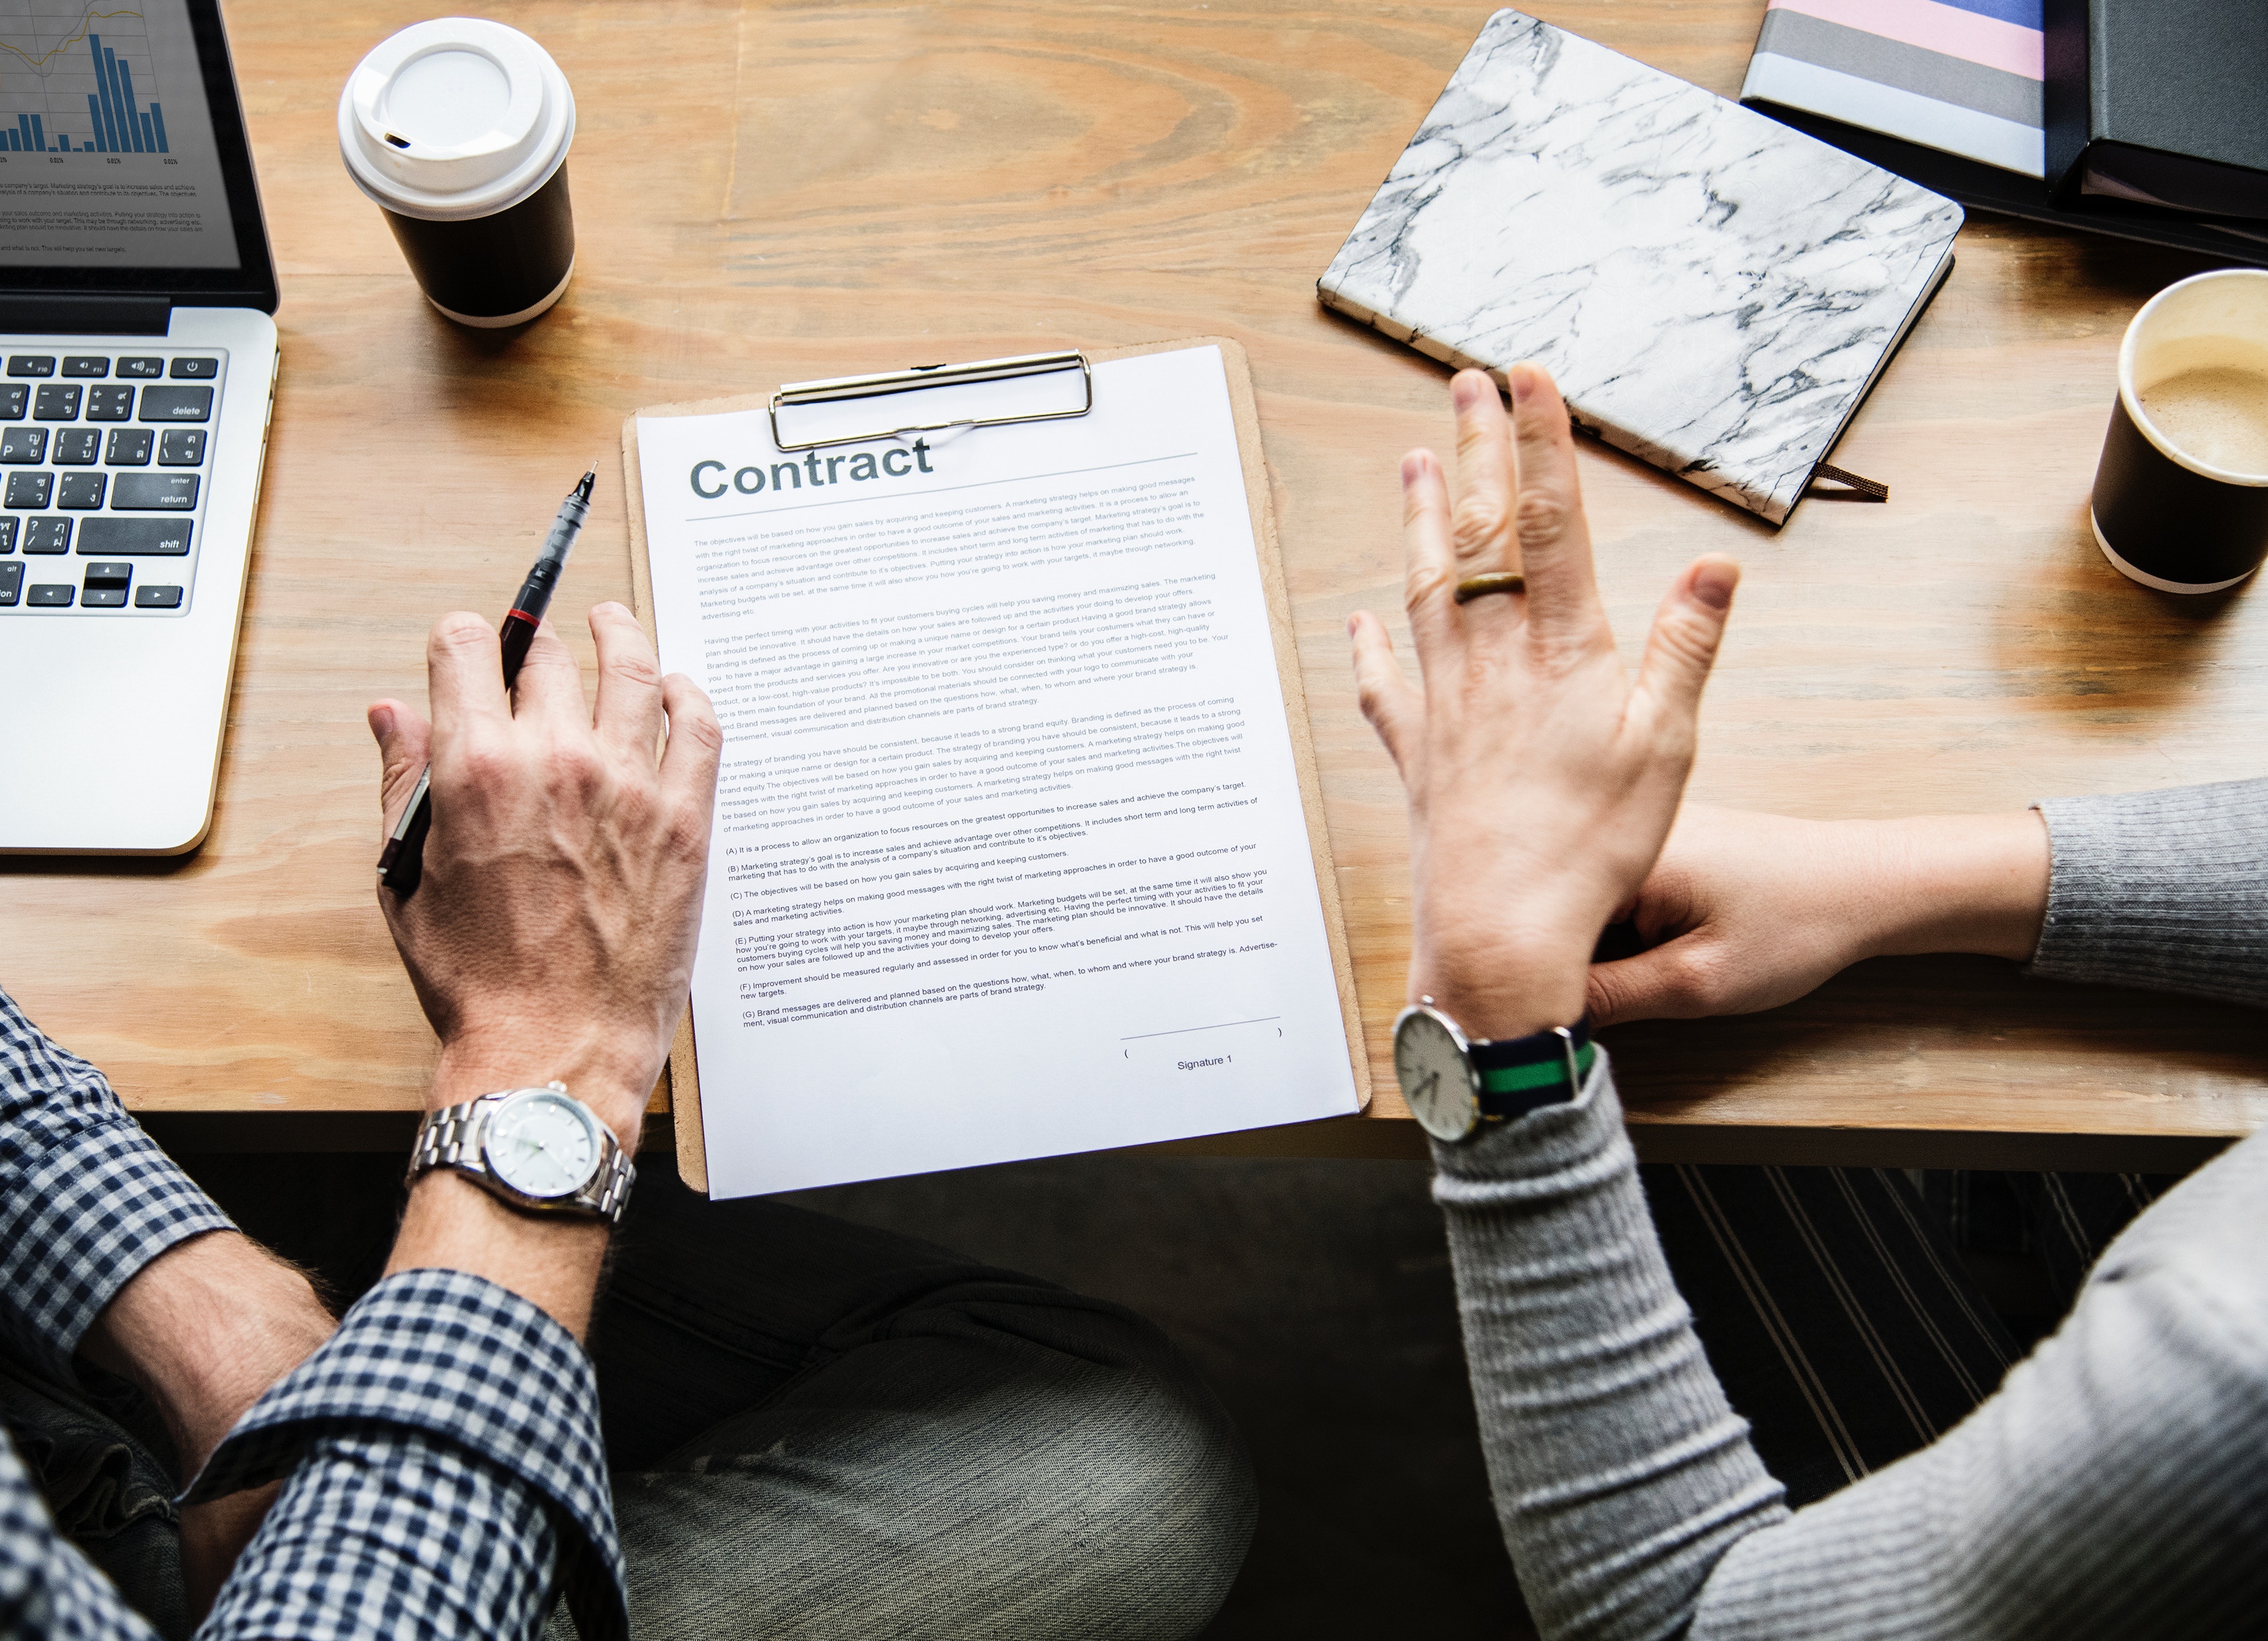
(553, 934)
(1542, 780)
(1748, 911)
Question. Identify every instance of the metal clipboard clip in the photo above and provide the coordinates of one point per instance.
(837, 389)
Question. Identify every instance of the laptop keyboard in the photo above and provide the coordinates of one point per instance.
(103, 470)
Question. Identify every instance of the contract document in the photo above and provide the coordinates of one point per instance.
(1010, 858)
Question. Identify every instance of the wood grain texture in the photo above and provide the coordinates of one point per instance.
(807, 190)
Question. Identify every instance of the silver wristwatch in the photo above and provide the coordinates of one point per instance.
(535, 1148)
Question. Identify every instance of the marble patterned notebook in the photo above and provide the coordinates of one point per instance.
(1713, 291)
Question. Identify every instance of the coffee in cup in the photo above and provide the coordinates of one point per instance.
(2181, 493)
(2217, 413)
(459, 129)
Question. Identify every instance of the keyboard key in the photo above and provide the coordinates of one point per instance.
(57, 402)
(142, 367)
(52, 596)
(81, 491)
(14, 401)
(177, 404)
(107, 537)
(31, 365)
(29, 489)
(105, 586)
(195, 370)
(77, 447)
(8, 534)
(24, 446)
(11, 584)
(85, 364)
(129, 446)
(149, 492)
(154, 597)
(47, 535)
(110, 404)
(181, 447)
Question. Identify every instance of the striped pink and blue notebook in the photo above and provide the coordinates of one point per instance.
(1959, 76)
(1948, 93)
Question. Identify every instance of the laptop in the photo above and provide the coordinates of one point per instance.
(137, 365)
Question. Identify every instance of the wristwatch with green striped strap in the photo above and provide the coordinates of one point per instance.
(1456, 1088)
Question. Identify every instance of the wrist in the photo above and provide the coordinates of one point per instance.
(1960, 883)
(1495, 999)
(552, 1261)
(615, 1083)
(1504, 952)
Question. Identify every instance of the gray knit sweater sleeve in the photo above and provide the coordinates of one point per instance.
(2115, 1486)
(2166, 889)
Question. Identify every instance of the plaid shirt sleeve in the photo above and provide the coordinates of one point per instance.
(447, 1473)
(445, 1456)
(86, 1198)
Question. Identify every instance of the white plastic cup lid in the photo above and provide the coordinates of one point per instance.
(455, 119)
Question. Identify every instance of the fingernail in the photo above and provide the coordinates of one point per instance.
(1467, 388)
(1714, 581)
(381, 722)
(1353, 622)
(1413, 467)
(1522, 378)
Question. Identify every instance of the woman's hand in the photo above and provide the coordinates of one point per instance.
(1542, 779)
(1748, 911)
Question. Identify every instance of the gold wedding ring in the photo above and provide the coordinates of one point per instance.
(1496, 581)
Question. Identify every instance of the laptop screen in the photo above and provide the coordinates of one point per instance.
(123, 166)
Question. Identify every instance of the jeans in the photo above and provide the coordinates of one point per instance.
(817, 1429)
(103, 1466)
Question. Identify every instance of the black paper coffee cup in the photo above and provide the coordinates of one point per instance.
(2181, 493)
(459, 130)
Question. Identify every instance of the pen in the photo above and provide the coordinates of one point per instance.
(401, 866)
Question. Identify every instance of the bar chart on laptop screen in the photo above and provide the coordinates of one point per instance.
(79, 81)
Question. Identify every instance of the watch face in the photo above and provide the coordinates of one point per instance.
(542, 1144)
(1436, 1077)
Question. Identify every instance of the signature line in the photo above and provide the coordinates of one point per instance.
(1186, 1030)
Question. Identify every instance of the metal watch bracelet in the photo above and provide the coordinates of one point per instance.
(456, 1136)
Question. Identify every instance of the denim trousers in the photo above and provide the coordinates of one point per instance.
(820, 1429)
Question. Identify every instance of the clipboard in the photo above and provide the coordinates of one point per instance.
(684, 1075)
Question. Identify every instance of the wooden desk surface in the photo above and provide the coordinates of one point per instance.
(767, 192)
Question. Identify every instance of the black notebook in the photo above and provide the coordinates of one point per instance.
(1949, 93)
(2158, 102)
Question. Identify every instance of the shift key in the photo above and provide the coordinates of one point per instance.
(104, 537)
(153, 492)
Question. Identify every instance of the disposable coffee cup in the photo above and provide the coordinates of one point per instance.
(2181, 495)
(459, 129)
